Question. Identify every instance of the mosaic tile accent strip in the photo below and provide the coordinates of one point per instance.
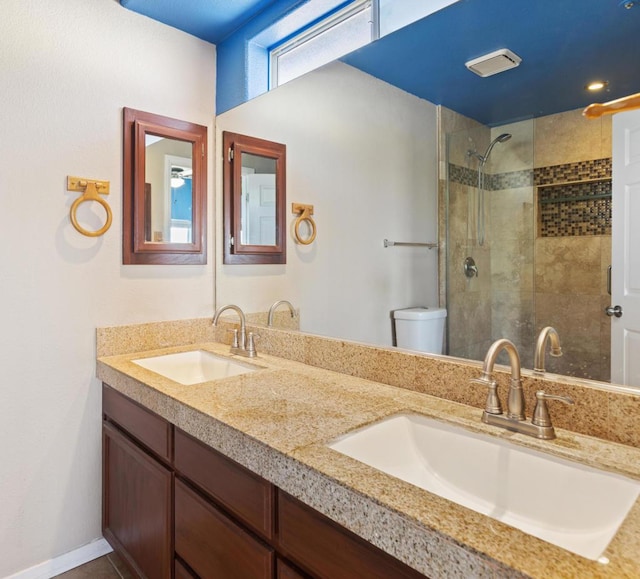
(493, 182)
(463, 175)
(567, 205)
(512, 180)
(575, 209)
(594, 169)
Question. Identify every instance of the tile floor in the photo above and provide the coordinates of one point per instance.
(108, 567)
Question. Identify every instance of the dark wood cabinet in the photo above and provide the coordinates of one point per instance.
(175, 507)
(328, 550)
(240, 491)
(137, 506)
(213, 545)
(286, 571)
(146, 427)
(181, 572)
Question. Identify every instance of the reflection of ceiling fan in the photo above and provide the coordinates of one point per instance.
(178, 175)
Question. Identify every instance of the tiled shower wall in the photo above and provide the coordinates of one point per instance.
(499, 302)
(571, 270)
(469, 300)
(527, 282)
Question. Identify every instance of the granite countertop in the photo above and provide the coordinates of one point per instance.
(276, 422)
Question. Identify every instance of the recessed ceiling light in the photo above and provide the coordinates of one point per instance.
(597, 85)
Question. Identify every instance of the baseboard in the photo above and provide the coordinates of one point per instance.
(65, 562)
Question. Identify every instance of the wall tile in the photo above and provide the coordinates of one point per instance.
(516, 154)
(568, 265)
(566, 138)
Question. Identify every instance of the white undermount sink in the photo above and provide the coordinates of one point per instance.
(570, 505)
(194, 367)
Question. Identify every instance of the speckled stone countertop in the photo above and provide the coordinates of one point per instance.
(276, 422)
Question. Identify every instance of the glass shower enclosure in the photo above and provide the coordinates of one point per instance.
(490, 240)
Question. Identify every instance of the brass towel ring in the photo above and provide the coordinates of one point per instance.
(305, 212)
(90, 193)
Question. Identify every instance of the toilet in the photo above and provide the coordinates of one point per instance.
(420, 329)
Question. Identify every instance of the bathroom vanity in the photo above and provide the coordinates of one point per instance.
(172, 502)
(239, 467)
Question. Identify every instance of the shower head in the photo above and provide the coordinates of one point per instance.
(483, 158)
(499, 139)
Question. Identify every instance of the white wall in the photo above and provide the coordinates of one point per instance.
(364, 154)
(67, 67)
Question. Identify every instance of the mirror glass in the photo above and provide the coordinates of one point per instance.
(258, 211)
(164, 190)
(168, 215)
(527, 277)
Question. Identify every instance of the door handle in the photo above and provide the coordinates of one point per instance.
(614, 311)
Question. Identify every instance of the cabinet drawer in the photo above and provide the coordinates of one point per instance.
(151, 430)
(212, 545)
(284, 571)
(329, 551)
(243, 493)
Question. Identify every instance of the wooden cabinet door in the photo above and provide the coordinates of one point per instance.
(181, 572)
(137, 506)
(213, 545)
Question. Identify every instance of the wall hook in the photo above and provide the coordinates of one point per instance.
(304, 213)
(91, 190)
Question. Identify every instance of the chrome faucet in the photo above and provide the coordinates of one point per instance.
(547, 334)
(515, 419)
(242, 345)
(273, 308)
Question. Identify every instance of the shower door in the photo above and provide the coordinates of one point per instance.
(490, 219)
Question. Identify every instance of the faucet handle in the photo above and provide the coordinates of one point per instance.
(234, 344)
(541, 415)
(251, 344)
(492, 406)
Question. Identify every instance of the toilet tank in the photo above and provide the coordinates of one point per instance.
(420, 329)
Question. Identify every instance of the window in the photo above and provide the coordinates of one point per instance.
(332, 37)
(395, 14)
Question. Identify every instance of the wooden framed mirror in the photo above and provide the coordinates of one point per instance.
(254, 186)
(164, 190)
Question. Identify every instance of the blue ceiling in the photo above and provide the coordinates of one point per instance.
(563, 44)
(210, 20)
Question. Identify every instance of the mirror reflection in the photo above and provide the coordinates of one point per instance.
(258, 211)
(168, 190)
(532, 210)
(254, 198)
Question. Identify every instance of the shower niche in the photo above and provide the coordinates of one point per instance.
(575, 208)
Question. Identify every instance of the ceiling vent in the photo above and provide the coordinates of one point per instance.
(494, 62)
